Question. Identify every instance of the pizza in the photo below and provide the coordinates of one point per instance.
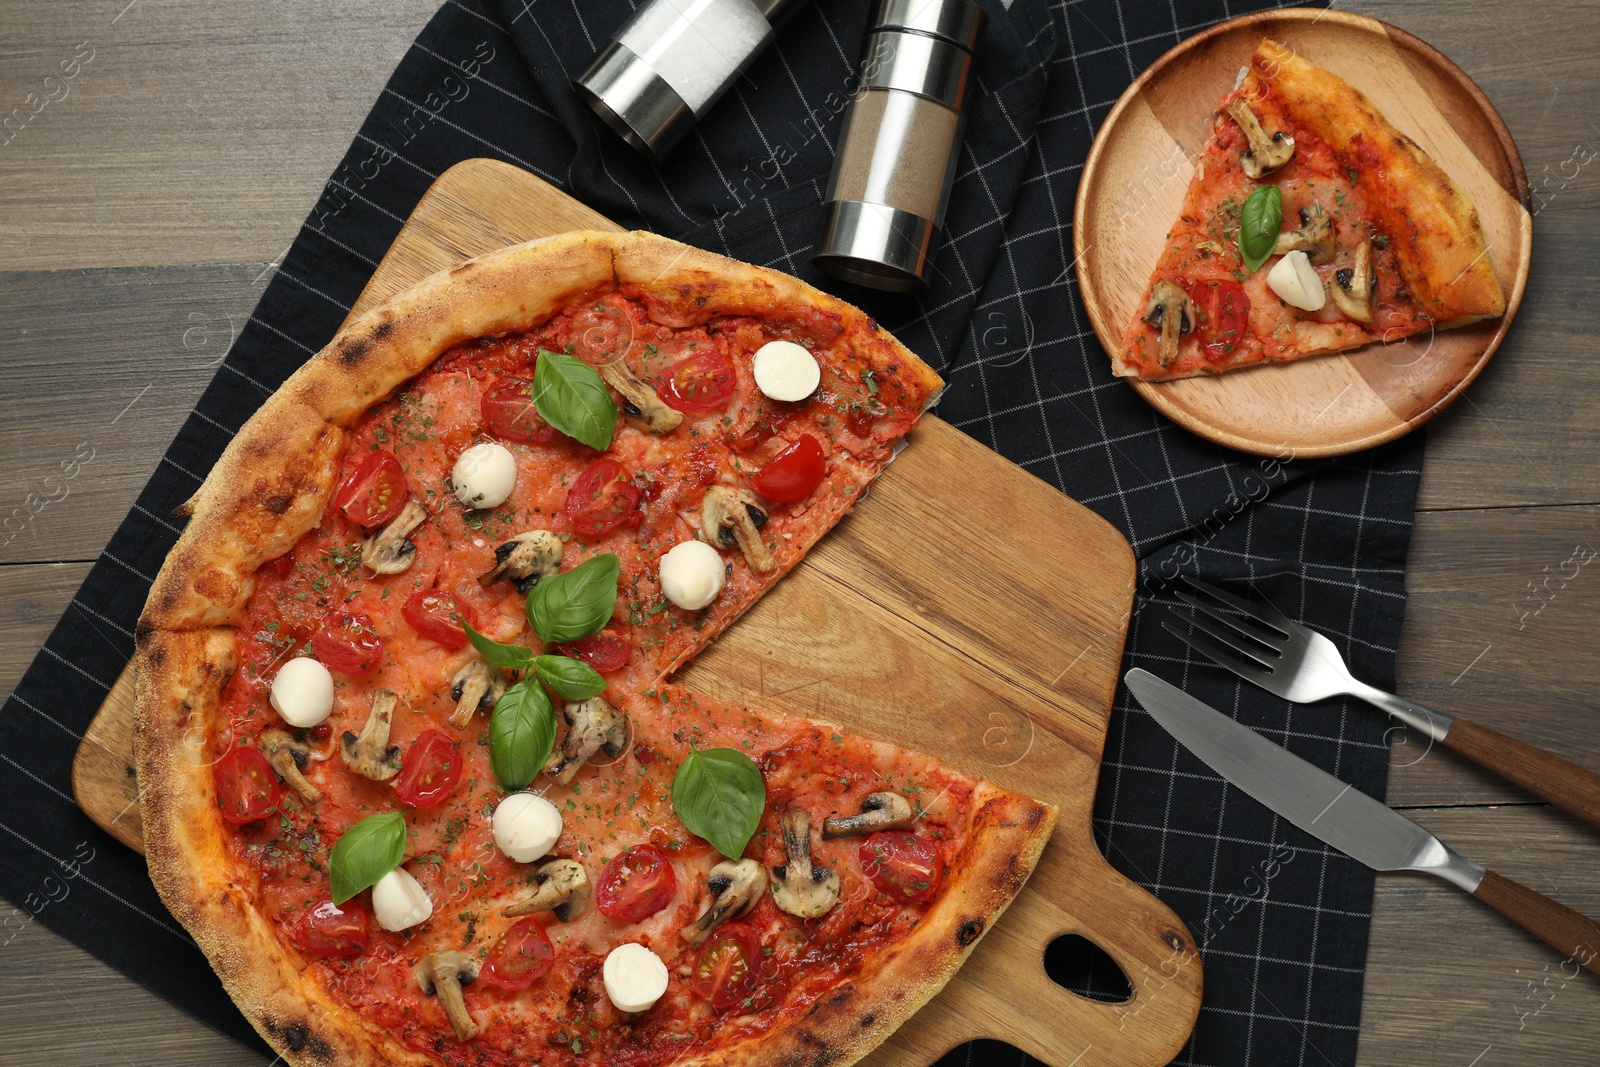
(414, 772)
(1311, 225)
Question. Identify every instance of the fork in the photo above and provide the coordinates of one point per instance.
(1299, 664)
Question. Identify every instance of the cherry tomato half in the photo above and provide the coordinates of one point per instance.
(247, 786)
(1224, 316)
(606, 651)
(520, 958)
(326, 929)
(602, 499)
(431, 770)
(347, 643)
(437, 615)
(728, 967)
(635, 885)
(375, 491)
(794, 473)
(901, 863)
(509, 412)
(701, 383)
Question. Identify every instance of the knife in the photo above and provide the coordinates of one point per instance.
(1351, 821)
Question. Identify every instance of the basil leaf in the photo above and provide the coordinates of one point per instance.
(1259, 223)
(368, 850)
(510, 657)
(569, 395)
(565, 607)
(718, 794)
(522, 731)
(568, 678)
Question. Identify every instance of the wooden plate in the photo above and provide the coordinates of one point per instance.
(1132, 191)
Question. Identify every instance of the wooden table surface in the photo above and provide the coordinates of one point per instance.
(142, 212)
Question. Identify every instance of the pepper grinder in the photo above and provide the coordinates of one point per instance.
(669, 63)
(899, 144)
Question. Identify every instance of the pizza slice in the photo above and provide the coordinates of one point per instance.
(1311, 226)
(412, 773)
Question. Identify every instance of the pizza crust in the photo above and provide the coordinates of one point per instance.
(1432, 226)
(273, 484)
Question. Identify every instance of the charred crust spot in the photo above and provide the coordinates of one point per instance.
(278, 504)
(352, 352)
(868, 1019)
(158, 656)
(297, 1037)
(382, 330)
(968, 932)
(1035, 816)
(143, 630)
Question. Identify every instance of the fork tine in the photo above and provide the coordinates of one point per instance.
(1262, 611)
(1250, 670)
(1264, 657)
(1255, 631)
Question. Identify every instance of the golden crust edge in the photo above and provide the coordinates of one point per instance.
(299, 1019)
(275, 477)
(846, 1025)
(1340, 112)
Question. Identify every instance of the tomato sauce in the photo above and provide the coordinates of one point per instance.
(320, 596)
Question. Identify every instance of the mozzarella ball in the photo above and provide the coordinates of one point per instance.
(692, 574)
(1296, 282)
(635, 977)
(525, 826)
(786, 371)
(302, 692)
(399, 901)
(484, 475)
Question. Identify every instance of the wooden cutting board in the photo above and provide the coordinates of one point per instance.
(966, 609)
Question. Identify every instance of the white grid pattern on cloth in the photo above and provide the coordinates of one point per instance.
(1068, 414)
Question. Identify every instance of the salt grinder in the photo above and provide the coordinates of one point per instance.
(672, 61)
(899, 144)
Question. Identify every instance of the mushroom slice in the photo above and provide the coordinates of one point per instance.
(289, 757)
(388, 551)
(563, 890)
(1171, 309)
(799, 887)
(1353, 285)
(591, 725)
(475, 687)
(731, 517)
(1267, 152)
(641, 406)
(525, 559)
(370, 754)
(879, 811)
(1314, 237)
(442, 974)
(736, 886)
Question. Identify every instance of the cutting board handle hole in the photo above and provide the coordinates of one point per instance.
(1080, 966)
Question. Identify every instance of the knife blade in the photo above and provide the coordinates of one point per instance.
(1349, 820)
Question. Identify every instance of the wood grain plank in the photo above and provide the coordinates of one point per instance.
(32, 598)
(63, 1007)
(1449, 981)
(196, 133)
(1479, 642)
(105, 364)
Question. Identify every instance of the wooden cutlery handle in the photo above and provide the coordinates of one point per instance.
(1563, 783)
(1573, 935)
